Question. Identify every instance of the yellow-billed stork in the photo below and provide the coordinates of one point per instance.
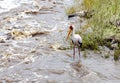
(76, 39)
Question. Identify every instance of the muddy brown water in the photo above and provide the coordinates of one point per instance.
(31, 33)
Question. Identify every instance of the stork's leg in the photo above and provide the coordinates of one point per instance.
(79, 51)
(74, 52)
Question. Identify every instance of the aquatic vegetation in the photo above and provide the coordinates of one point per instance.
(85, 54)
(64, 48)
(107, 56)
(116, 55)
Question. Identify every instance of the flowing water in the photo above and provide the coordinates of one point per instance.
(31, 35)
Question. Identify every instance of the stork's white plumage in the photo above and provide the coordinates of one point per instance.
(76, 39)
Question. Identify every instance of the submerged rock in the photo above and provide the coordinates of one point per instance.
(86, 75)
(92, 77)
(59, 72)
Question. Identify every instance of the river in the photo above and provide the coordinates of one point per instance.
(31, 35)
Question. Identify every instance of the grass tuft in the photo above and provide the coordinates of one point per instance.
(116, 55)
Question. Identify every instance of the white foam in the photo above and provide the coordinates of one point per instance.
(6, 5)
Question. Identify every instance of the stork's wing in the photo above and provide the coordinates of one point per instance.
(80, 43)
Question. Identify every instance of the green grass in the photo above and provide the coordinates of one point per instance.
(107, 55)
(85, 54)
(103, 22)
(116, 55)
(70, 10)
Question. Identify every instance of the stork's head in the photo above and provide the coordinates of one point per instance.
(70, 30)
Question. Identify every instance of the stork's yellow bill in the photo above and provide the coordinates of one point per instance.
(70, 30)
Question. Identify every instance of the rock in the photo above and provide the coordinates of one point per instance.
(81, 13)
(2, 41)
(85, 14)
(29, 59)
(84, 74)
(51, 81)
(115, 46)
(33, 12)
(55, 71)
(115, 22)
(77, 66)
(92, 77)
(79, 69)
(19, 34)
(106, 49)
(113, 42)
(55, 46)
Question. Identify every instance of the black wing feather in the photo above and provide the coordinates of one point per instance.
(80, 43)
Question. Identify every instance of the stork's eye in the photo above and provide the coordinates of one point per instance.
(71, 27)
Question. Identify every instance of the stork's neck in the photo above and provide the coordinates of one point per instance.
(73, 32)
